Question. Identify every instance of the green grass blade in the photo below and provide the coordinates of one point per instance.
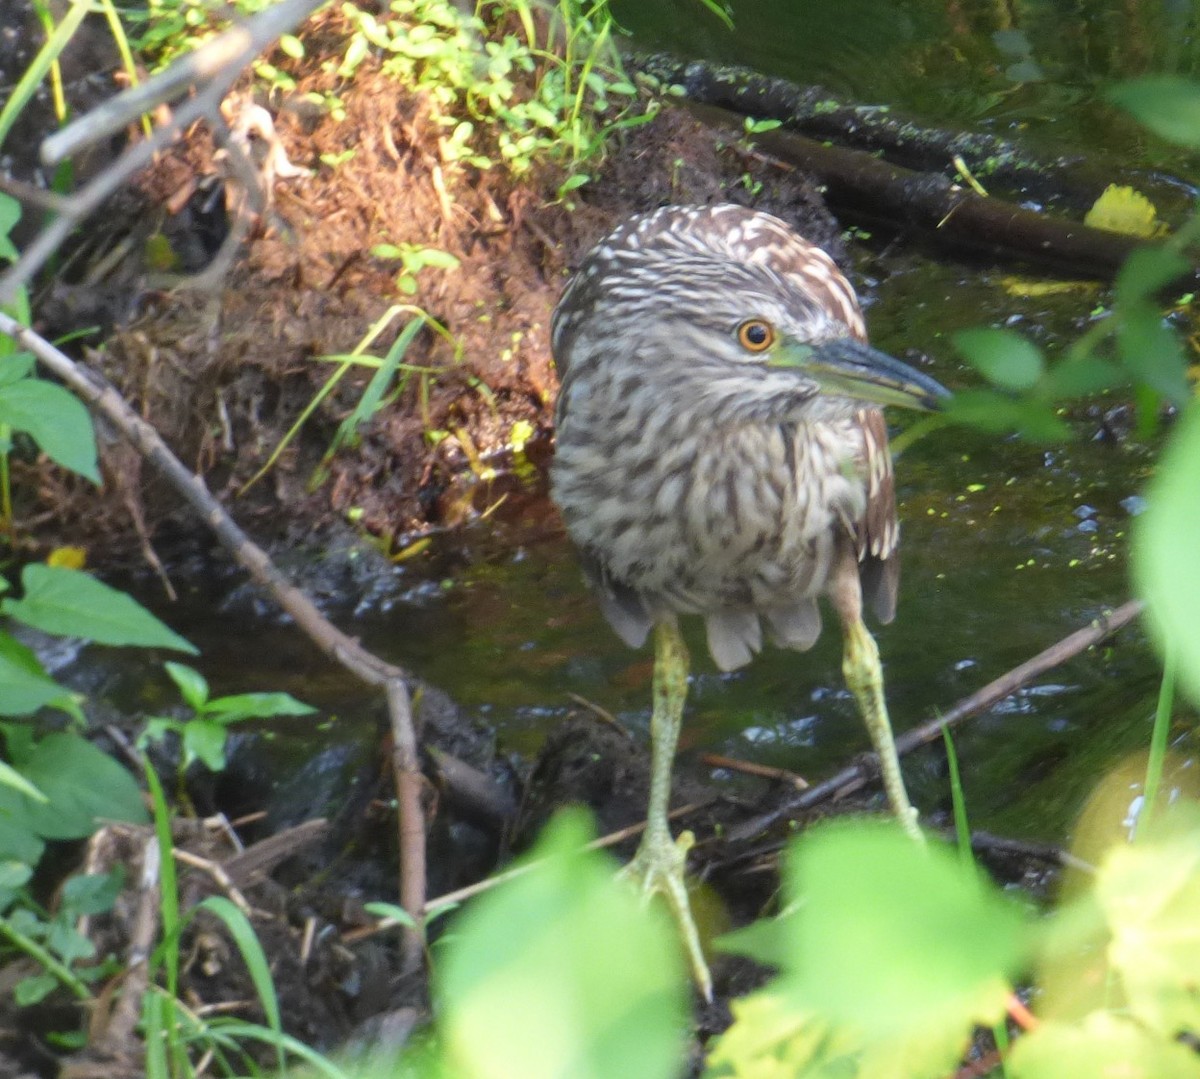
(239, 1029)
(255, 959)
(168, 881)
(1158, 741)
(962, 833)
(27, 85)
(153, 1031)
(372, 397)
(117, 29)
(962, 828)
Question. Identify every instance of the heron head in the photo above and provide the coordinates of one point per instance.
(715, 292)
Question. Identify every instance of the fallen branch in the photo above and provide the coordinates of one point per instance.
(861, 185)
(410, 820)
(866, 768)
(822, 115)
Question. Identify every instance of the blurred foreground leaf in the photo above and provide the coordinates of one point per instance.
(562, 972)
(888, 937)
(1167, 104)
(82, 786)
(1104, 1046)
(1165, 561)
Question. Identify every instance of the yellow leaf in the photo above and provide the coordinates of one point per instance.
(1015, 285)
(1122, 209)
(67, 557)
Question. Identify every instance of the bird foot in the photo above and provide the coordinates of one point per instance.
(658, 867)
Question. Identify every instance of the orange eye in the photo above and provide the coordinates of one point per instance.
(756, 335)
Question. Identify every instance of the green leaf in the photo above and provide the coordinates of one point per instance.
(562, 972)
(1166, 570)
(82, 784)
(256, 706)
(391, 911)
(71, 603)
(34, 989)
(1003, 357)
(10, 214)
(1147, 270)
(990, 410)
(67, 942)
(157, 727)
(1167, 104)
(291, 46)
(192, 685)
(15, 366)
(1152, 352)
(56, 420)
(887, 936)
(1103, 1045)
(204, 740)
(18, 844)
(1080, 377)
(438, 259)
(14, 875)
(24, 685)
(92, 893)
(11, 778)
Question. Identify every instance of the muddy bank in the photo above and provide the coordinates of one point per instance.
(225, 374)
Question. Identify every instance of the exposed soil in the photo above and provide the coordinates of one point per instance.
(225, 374)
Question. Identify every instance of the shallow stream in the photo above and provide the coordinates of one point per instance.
(1006, 547)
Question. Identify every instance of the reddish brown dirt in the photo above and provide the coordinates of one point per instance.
(225, 374)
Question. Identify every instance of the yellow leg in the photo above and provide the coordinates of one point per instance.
(864, 675)
(658, 866)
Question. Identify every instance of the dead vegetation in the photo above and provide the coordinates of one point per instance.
(225, 372)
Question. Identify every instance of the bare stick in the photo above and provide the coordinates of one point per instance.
(410, 822)
(227, 53)
(750, 768)
(104, 398)
(88, 198)
(128, 1010)
(251, 38)
(860, 773)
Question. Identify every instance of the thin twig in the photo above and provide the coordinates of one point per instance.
(227, 53)
(750, 768)
(410, 823)
(126, 1013)
(601, 713)
(219, 876)
(238, 48)
(986, 843)
(857, 775)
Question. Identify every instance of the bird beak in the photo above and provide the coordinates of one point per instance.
(852, 369)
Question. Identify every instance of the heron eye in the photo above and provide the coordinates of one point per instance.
(756, 335)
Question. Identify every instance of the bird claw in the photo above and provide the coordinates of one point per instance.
(658, 868)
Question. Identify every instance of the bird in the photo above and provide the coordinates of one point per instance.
(720, 452)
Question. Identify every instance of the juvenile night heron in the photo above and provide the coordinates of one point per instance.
(719, 454)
